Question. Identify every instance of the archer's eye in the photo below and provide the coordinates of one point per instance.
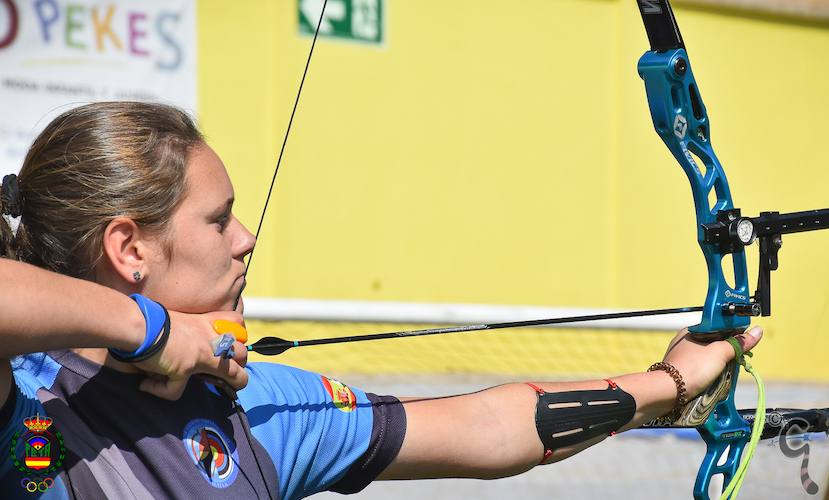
(222, 222)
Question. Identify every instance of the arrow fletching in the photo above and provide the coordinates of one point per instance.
(271, 346)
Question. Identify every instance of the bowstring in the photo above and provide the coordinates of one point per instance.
(281, 153)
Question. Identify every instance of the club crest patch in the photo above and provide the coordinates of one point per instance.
(213, 453)
(342, 396)
(37, 452)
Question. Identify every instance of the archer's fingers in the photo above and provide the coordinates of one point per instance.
(240, 353)
(750, 338)
(230, 370)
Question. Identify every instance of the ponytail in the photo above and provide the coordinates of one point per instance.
(10, 205)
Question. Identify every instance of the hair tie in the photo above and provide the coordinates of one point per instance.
(10, 195)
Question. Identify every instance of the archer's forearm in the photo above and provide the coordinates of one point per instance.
(492, 433)
(43, 310)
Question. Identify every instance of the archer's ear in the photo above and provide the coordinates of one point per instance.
(125, 249)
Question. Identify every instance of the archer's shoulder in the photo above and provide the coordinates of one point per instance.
(281, 382)
(271, 382)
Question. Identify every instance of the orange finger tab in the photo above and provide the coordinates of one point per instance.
(222, 326)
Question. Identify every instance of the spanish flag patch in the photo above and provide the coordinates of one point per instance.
(343, 397)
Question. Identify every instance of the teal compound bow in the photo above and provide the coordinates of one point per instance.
(681, 120)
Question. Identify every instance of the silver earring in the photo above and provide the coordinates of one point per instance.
(136, 276)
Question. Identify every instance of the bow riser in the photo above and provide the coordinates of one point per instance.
(680, 119)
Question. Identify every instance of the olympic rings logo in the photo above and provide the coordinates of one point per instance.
(33, 486)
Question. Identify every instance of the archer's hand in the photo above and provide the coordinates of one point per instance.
(700, 364)
(189, 352)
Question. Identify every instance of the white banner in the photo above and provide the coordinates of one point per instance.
(55, 54)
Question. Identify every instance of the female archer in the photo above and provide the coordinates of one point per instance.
(128, 249)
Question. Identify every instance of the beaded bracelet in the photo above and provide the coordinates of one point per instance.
(681, 393)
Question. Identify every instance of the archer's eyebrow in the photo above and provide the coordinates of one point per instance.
(224, 209)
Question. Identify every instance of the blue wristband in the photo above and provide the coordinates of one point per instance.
(155, 318)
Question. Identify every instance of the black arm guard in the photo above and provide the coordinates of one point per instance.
(568, 418)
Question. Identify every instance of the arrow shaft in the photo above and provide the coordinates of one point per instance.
(271, 343)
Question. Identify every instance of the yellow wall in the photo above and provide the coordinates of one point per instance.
(502, 152)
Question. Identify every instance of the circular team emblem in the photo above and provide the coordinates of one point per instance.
(210, 450)
(343, 397)
(37, 452)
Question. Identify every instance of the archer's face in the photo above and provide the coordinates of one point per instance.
(203, 269)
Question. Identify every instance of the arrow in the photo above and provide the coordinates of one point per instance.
(272, 346)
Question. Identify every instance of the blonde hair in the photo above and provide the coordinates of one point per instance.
(90, 165)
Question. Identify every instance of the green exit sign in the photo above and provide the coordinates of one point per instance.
(355, 20)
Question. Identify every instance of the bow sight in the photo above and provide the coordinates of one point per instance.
(732, 232)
